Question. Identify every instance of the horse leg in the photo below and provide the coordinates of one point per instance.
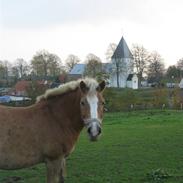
(55, 170)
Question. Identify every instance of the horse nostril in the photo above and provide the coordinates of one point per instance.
(99, 131)
(89, 130)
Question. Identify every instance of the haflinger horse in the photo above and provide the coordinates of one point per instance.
(47, 131)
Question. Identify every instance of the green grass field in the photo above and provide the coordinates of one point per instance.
(136, 147)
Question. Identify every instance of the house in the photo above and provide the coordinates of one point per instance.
(21, 88)
(77, 72)
(126, 76)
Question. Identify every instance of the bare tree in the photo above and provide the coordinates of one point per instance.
(15, 73)
(71, 61)
(5, 70)
(21, 66)
(141, 59)
(110, 51)
(180, 66)
(55, 66)
(156, 67)
(2, 69)
(93, 65)
(45, 63)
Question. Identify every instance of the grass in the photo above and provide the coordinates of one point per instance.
(136, 147)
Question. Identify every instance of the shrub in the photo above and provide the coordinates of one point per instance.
(119, 99)
(160, 97)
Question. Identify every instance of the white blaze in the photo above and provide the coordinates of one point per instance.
(93, 102)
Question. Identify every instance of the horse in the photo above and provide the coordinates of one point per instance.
(47, 131)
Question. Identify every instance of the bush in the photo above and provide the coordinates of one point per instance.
(160, 97)
(119, 99)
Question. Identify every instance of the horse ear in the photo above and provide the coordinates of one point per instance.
(101, 86)
(83, 87)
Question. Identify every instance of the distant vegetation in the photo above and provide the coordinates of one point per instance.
(49, 66)
(129, 100)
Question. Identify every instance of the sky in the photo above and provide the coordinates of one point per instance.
(81, 27)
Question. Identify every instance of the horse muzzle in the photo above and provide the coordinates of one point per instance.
(93, 128)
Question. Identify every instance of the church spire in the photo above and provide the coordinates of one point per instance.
(122, 50)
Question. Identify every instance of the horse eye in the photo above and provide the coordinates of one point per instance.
(102, 103)
(82, 103)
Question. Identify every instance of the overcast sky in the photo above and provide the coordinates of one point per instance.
(80, 27)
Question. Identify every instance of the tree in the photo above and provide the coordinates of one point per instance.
(141, 59)
(180, 66)
(110, 51)
(156, 68)
(173, 72)
(93, 66)
(34, 89)
(71, 61)
(45, 63)
(21, 66)
(4, 70)
(54, 66)
(15, 73)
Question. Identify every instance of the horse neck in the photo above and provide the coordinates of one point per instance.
(66, 109)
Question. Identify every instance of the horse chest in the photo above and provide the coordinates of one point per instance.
(59, 146)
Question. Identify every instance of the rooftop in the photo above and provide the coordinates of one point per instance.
(78, 69)
(122, 50)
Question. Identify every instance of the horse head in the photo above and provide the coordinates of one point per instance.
(92, 107)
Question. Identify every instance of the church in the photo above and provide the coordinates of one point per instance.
(120, 69)
(122, 62)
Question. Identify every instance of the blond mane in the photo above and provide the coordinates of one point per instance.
(70, 86)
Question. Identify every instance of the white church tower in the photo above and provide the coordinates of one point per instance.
(122, 63)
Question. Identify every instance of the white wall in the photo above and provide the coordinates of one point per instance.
(113, 80)
(127, 68)
(129, 84)
(135, 82)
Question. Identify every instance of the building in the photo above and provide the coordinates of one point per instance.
(132, 81)
(124, 59)
(181, 84)
(21, 88)
(77, 72)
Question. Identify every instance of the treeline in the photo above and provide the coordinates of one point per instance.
(45, 65)
(151, 65)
